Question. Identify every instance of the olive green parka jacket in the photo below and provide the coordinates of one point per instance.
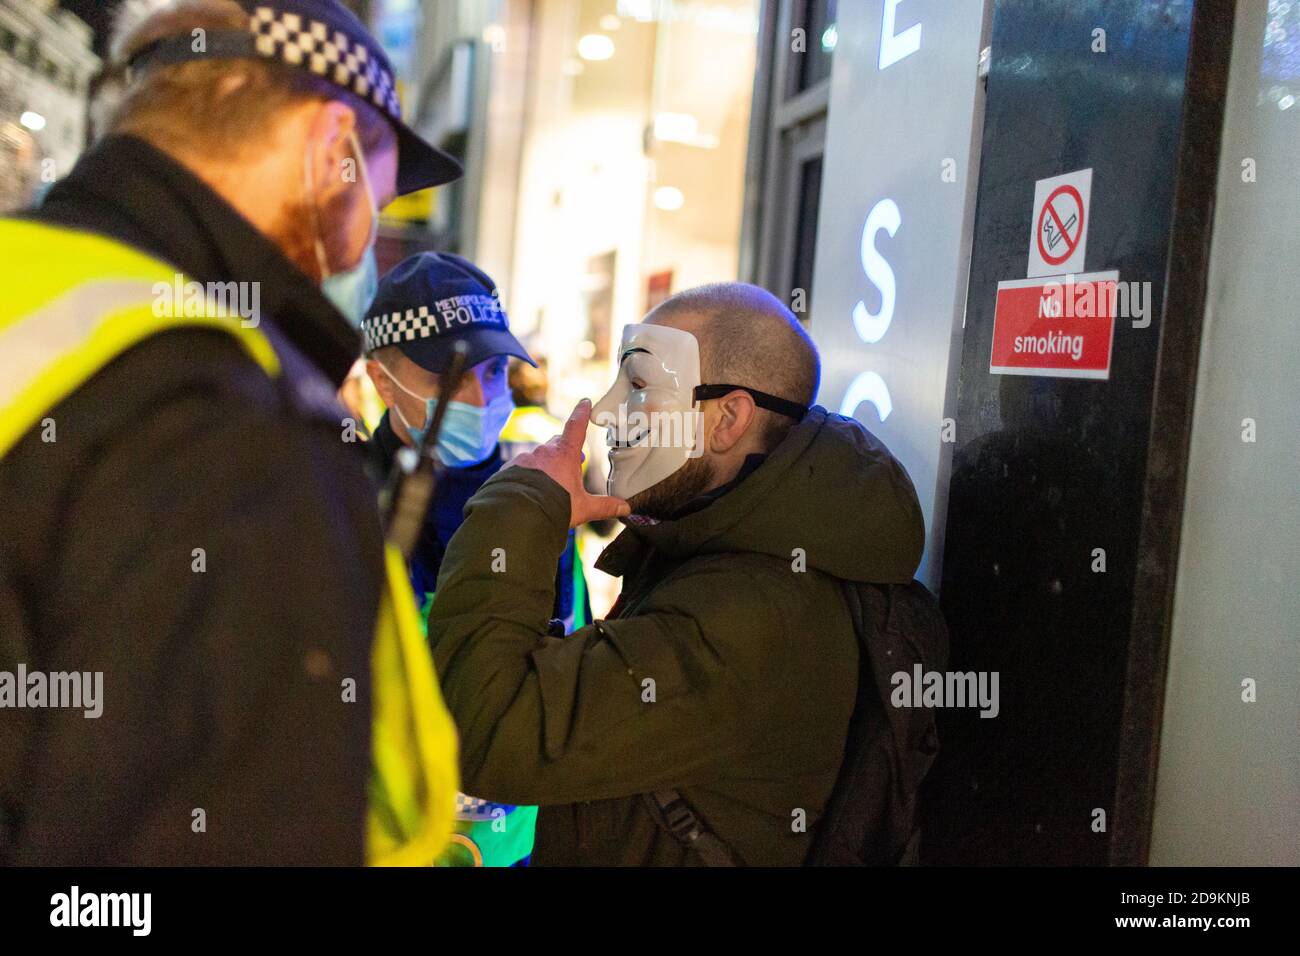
(728, 673)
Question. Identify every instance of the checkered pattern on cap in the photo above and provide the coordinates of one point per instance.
(476, 810)
(326, 52)
(320, 38)
(444, 317)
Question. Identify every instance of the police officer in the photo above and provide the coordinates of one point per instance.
(193, 527)
(425, 306)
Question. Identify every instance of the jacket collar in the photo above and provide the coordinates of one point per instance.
(830, 488)
(129, 190)
(628, 549)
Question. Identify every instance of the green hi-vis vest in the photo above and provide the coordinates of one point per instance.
(72, 303)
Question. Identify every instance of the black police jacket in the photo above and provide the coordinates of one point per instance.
(222, 668)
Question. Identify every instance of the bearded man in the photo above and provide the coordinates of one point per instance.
(704, 719)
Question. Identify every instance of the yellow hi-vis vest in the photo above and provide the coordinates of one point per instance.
(70, 303)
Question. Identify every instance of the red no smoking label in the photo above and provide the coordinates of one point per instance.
(1059, 230)
(1057, 327)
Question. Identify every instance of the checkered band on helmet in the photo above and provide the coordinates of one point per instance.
(445, 316)
(381, 330)
(309, 44)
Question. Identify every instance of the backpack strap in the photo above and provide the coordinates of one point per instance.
(674, 814)
(895, 626)
(911, 855)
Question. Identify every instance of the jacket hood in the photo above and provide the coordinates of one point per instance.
(830, 488)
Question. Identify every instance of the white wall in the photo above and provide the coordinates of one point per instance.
(1228, 786)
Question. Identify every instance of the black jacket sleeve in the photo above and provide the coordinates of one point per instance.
(218, 561)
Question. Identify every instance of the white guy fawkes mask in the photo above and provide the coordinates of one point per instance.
(652, 424)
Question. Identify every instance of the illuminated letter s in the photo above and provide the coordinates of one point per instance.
(872, 328)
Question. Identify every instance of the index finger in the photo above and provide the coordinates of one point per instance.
(575, 429)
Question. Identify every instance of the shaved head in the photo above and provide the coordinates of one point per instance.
(747, 337)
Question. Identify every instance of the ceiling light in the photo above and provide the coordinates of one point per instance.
(494, 35)
(641, 10)
(595, 46)
(676, 127)
(669, 198)
(33, 121)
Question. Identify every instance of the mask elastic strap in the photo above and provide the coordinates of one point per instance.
(397, 408)
(772, 403)
(393, 378)
(405, 423)
(315, 215)
(370, 190)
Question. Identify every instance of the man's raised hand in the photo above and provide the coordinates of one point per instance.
(561, 459)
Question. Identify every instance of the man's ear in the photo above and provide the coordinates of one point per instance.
(332, 159)
(735, 416)
(379, 378)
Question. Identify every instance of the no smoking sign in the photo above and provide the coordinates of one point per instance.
(1059, 228)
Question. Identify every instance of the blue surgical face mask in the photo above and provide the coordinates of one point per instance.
(352, 290)
(469, 432)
